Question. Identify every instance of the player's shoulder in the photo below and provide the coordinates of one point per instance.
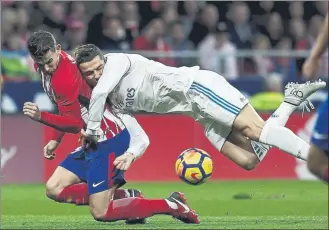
(66, 70)
(66, 58)
(66, 65)
(123, 60)
(116, 55)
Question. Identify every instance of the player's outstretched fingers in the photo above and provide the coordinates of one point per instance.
(50, 156)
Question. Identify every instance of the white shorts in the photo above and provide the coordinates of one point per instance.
(215, 104)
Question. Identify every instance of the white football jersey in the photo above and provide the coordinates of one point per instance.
(148, 85)
(135, 83)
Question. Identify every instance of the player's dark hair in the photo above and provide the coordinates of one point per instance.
(86, 53)
(40, 42)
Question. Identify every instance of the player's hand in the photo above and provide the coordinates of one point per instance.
(124, 161)
(48, 150)
(87, 141)
(311, 67)
(32, 111)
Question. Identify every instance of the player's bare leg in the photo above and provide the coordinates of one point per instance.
(317, 163)
(238, 149)
(132, 209)
(66, 187)
(61, 179)
(248, 153)
(270, 133)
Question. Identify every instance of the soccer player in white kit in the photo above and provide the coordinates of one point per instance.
(134, 83)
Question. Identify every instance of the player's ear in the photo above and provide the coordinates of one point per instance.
(58, 47)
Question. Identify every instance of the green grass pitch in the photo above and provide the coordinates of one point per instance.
(221, 205)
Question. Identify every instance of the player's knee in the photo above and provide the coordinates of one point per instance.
(251, 162)
(99, 214)
(53, 189)
(252, 130)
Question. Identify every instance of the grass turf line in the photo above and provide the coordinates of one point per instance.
(271, 204)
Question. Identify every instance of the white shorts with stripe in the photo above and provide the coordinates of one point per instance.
(215, 104)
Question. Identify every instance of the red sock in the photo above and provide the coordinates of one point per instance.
(136, 208)
(76, 194)
(325, 174)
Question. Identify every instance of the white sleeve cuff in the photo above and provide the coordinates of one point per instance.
(137, 150)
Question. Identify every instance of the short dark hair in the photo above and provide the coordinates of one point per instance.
(86, 53)
(40, 42)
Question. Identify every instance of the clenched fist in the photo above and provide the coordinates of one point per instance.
(48, 150)
(32, 111)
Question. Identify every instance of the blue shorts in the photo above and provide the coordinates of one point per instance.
(76, 163)
(320, 132)
(102, 174)
(96, 167)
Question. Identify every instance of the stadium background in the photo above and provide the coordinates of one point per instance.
(257, 46)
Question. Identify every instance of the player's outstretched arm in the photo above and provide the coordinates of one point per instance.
(313, 63)
(115, 68)
(321, 43)
(139, 140)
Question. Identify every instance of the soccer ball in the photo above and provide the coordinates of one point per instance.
(194, 166)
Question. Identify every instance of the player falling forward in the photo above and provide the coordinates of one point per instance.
(65, 87)
(134, 83)
(317, 161)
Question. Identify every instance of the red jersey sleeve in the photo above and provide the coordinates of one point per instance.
(66, 85)
(56, 134)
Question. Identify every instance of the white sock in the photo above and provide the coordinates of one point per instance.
(280, 118)
(282, 114)
(285, 140)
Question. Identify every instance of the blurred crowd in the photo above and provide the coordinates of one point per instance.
(208, 27)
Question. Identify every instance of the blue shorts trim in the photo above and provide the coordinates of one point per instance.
(102, 174)
(215, 98)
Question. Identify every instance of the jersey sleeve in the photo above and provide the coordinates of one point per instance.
(69, 119)
(115, 68)
(139, 140)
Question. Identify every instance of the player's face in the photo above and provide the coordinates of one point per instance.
(49, 62)
(92, 70)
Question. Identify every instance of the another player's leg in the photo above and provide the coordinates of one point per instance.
(317, 160)
(250, 124)
(226, 141)
(317, 163)
(133, 209)
(218, 112)
(279, 117)
(67, 184)
(103, 181)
